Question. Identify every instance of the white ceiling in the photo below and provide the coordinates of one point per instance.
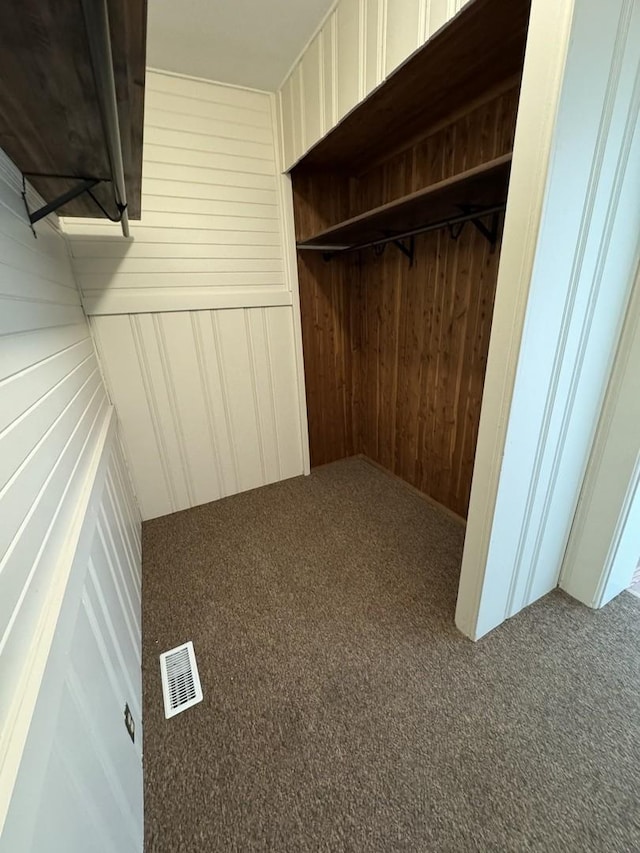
(246, 42)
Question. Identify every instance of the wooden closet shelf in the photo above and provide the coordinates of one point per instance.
(478, 49)
(449, 201)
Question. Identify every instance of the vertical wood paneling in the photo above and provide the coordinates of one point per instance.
(298, 106)
(404, 29)
(330, 81)
(312, 92)
(327, 305)
(349, 55)
(363, 41)
(374, 43)
(288, 148)
(395, 355)
(202, 399)
(438, 13)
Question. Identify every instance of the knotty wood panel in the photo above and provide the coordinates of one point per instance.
(472, 139)
(326, 301)
(424, 341)
(50, 119)
(484, 185)
(395, 356)
(329, 308)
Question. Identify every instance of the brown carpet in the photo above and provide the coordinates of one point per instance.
(343, 711)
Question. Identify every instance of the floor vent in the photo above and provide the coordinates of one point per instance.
(180, 680)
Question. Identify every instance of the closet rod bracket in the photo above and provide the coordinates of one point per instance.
(490, 233)
(407, 247)
(85, 185)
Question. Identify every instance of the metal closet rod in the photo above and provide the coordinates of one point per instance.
(469, 216)
(96, 18)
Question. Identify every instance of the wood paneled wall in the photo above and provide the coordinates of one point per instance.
(423, 348)
(395, 355)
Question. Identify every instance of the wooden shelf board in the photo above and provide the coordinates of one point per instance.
(484, 185)
(50, 121)
(480, 48)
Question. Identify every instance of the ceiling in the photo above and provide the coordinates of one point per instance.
(246, 42)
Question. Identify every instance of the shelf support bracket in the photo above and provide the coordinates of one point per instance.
(85, 186)
(489, 233)
(407, 248)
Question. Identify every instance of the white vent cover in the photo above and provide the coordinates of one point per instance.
(180, 680)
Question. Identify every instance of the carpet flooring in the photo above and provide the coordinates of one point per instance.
(342, 709)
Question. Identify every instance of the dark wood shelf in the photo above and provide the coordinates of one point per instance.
(475, 52)
(50, 120)
(483, 186)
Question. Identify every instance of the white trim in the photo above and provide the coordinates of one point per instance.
(323, 105)
(543, 421)
(526, 569)
(291, 277)
(207, 80)
(140, 301)
(91, 468)
(595, 568)
(547, 46)
(362, 24)
(298, 58)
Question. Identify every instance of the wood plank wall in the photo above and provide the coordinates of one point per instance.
(395, 355)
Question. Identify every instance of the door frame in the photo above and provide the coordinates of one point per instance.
(569, 252)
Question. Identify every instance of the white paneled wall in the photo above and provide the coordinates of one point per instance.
(54, 422)
(79, 784)
(196, 318)
(360, 43)
(210, 233)
(207, 400)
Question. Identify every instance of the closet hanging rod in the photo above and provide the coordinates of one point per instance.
(96, 18)
(468, 216)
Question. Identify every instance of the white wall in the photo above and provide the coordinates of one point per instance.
(54, 421)
(210, 234)
(358, 45)
(568, 259)
(207, 401)
(79, 784)
(602, 553)
(196, 318)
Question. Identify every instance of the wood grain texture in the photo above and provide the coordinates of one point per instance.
(329, 338)
(50, 121)
(424, 342)
(395, 355)
(484, 185)
(475, 51)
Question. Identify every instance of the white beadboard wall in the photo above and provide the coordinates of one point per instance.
(210, 235)
(207, 401)
(196, 318)
(79, 784)
(54, 421)
(358, 45)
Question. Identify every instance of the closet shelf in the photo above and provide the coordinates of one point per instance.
(469, 195)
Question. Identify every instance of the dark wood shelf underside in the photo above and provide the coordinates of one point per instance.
(50, 122)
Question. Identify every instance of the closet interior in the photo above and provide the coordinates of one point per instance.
(398, 218)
